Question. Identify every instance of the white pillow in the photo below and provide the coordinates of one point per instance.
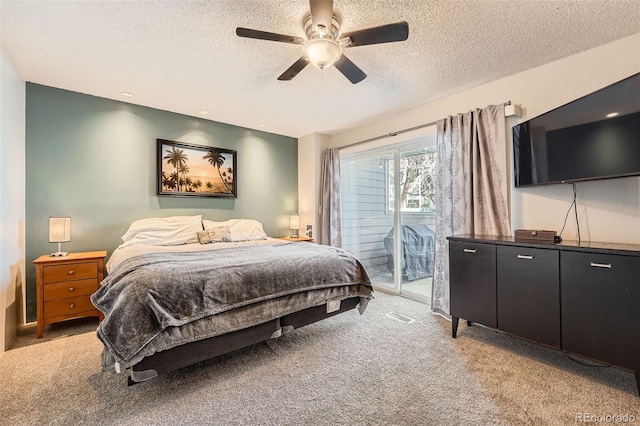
(209, 224)
(240, 229)
(163, 231)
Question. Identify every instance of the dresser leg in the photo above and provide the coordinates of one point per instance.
(454, 326)
(40, 329)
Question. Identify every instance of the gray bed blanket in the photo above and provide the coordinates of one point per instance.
(157, 301)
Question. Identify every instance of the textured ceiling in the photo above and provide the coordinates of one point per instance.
(184, 56)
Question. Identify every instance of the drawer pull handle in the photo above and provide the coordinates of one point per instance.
(601, 265)
(525, 256)
(71, 272)
(72, 289)
(71, 306)
(469, 250)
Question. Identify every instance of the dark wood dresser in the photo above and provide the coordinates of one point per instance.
(582, 298)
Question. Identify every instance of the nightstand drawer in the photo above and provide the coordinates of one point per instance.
(69, 306)
(70, 271)
(70, 289)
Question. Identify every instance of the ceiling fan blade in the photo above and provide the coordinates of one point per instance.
(382, 34)
(263, 35)
(294, 69)
(350, 70)
(321, 13)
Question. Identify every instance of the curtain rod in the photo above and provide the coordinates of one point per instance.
(420, 126)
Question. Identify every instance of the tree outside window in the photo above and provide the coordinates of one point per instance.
(417, 181)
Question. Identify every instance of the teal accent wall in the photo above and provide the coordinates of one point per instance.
(94, 159)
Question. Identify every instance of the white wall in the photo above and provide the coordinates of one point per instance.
(309, 160)
(12, 200)
(608, 210)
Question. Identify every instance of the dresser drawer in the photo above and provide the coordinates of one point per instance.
(528, 282)
(599, 297)
(70, 289)
(473, 282)
(70, 271)
(70, 306)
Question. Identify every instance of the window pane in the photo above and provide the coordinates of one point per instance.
(417, 181)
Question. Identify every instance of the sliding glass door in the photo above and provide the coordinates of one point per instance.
(366, 223)
(416, 203)
(388, 214)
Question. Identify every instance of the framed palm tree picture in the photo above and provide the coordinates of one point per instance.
(186, 170)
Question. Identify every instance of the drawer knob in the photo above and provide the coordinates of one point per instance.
(71, 272)
(469, 250)
(72, 289)
(525, 256)
(72, 306)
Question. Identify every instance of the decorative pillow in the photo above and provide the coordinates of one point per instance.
(204, 237)
(218, 234)
(163, 231)
(240, 229)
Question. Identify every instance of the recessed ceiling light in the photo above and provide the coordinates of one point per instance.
(127, 94)
(203, 112)
(262, 125)
(613, 114)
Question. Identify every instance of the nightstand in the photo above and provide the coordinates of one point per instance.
(64, 285)
(297, 240)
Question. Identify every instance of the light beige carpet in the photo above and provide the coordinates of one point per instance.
(347, 370)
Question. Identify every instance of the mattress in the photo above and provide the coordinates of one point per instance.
(156, 298)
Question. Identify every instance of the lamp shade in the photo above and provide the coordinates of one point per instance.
(294, 222)
(322, 52)
(59, 229)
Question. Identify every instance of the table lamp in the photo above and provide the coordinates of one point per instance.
(294, 225)
(59, 232)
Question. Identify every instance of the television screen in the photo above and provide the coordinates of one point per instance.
(594, 137)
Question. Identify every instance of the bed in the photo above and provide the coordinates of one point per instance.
(180, 290)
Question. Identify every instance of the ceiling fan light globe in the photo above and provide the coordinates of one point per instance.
(322, 52)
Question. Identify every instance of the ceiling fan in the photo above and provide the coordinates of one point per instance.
(324, 44)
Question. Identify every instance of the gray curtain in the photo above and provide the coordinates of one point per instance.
(330, 223)
(471, 186)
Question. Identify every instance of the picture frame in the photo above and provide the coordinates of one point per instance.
(187, 170)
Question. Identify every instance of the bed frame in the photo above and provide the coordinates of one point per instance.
(201, 350)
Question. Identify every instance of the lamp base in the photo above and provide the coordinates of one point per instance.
(59, 253)
(295, 233)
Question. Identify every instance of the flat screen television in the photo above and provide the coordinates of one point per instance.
(582, 140)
